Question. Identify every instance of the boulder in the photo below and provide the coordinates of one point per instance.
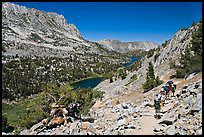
(25, 132)
(170, 130)
(158, 128)
(87, 126)
(121, 122)
(199, 131)
(125, 106)
(167, 121)
(36, 126)
(130, 127)
(74, 131)
(198, 104)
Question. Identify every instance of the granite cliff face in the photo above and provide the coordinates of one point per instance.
(27, 31)
(124, 47)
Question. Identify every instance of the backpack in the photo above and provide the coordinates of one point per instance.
(165, 88)
(157, 104)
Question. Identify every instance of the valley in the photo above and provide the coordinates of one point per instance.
(46, 60)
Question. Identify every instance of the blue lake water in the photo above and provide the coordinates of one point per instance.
(87, 83)
(132, 60)
(93, 82)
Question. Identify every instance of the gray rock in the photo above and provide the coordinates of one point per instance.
(166, 121)
(25, 132)
(125, 106)
(198, 104)
(75, 131)
(130, 127)
(36, 126)
(158, 128)
(121, 122)
(170, 130)
(199, 131)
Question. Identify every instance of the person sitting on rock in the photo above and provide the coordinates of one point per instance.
(72, 111)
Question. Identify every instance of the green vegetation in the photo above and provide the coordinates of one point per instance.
(151, 81)
(28, 112)
(122, 73)
(4, 123)
(193, 23)
(156, 56)
(22, 75)
(191, 58)
(164, 44)
(86, 97)
(25, 113)
(150, 53)
(135, 66)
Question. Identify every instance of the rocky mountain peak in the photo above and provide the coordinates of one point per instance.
(35, 19)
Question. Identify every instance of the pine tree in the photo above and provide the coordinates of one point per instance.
(191, 59)
(151, 82)
(151, 71)
(193, 23)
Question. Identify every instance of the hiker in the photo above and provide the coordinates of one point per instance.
(166, 91)
(72, 111)
(171, 87)
(157, 105)
(163, 96)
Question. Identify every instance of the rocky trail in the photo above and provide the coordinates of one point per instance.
(181, 115)
(148, 123)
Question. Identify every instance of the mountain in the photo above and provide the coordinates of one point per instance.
(40, 50)
(28, 28)
(125, 47)
(39, 46)
(126, 110)
(160, 58)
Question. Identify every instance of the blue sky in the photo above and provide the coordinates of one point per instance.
(125, 21)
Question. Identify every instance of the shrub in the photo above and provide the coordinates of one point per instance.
(164, 44)
(150, 53)
(134, 77)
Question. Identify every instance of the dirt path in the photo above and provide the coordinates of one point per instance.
(148, 121)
